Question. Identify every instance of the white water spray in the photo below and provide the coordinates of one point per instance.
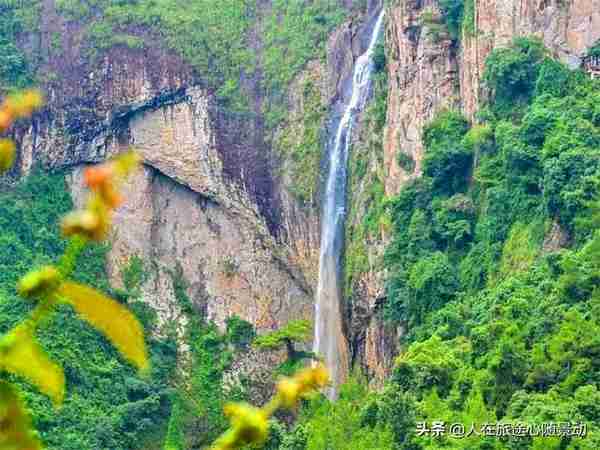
(330, 343)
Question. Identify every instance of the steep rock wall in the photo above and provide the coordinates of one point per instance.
(567, 27)
(204, 209)
(211, 205)
(429, 72)
(423, 78)
(317, 90)
(373, 343)
(229, 260)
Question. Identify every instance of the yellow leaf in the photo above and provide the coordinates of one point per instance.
(22, 104)
(21, 354)
(7, 154)
(111, 318)
(249, 425)
(16, 432)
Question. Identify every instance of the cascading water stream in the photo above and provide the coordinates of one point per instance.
(330, 343)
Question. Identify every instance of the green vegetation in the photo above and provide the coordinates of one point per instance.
(239, 332)
(436, 27)
(512, 72)
(16, 18)
(291, 334)
(501, 326)
(108, 404)
(457, 18)
(453, 11)
(213, 40)
(354, 427)
(302, 154)
(217, 42)
(447, 161)
(295, 32)
(406, 162)
(367, 216)
(134, 274)
(203, 395)
(595, 49)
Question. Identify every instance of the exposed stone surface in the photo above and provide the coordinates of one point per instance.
(230, 261)
(555, 239)
(199, 204)
(423, 79)
(428, 73)
(255, 365)
(567, 27)
(300, 223)
(203, 208)
(373, 343)
(90, 101)
(208, 199)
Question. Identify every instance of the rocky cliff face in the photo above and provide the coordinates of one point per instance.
(567, 28)
(428, 72)
(203, 214)
(423, 78)
(196, 205)
(208, 209)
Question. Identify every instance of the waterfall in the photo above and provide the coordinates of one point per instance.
(330, 343)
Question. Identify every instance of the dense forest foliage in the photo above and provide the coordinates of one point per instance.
(108, 404)
(501, 321)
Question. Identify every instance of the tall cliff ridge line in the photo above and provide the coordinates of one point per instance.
(203, 212)
(567, 28)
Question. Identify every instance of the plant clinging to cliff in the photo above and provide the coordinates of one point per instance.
(294, 332)
(49, 286)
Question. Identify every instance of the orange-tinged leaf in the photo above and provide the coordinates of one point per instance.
(16, 432)
(5, 120)
(111, 318)
(97, 175)
(21, 354)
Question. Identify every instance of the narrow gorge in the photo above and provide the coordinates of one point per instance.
(330, 341)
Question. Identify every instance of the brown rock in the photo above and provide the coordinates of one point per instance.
(423, 79)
